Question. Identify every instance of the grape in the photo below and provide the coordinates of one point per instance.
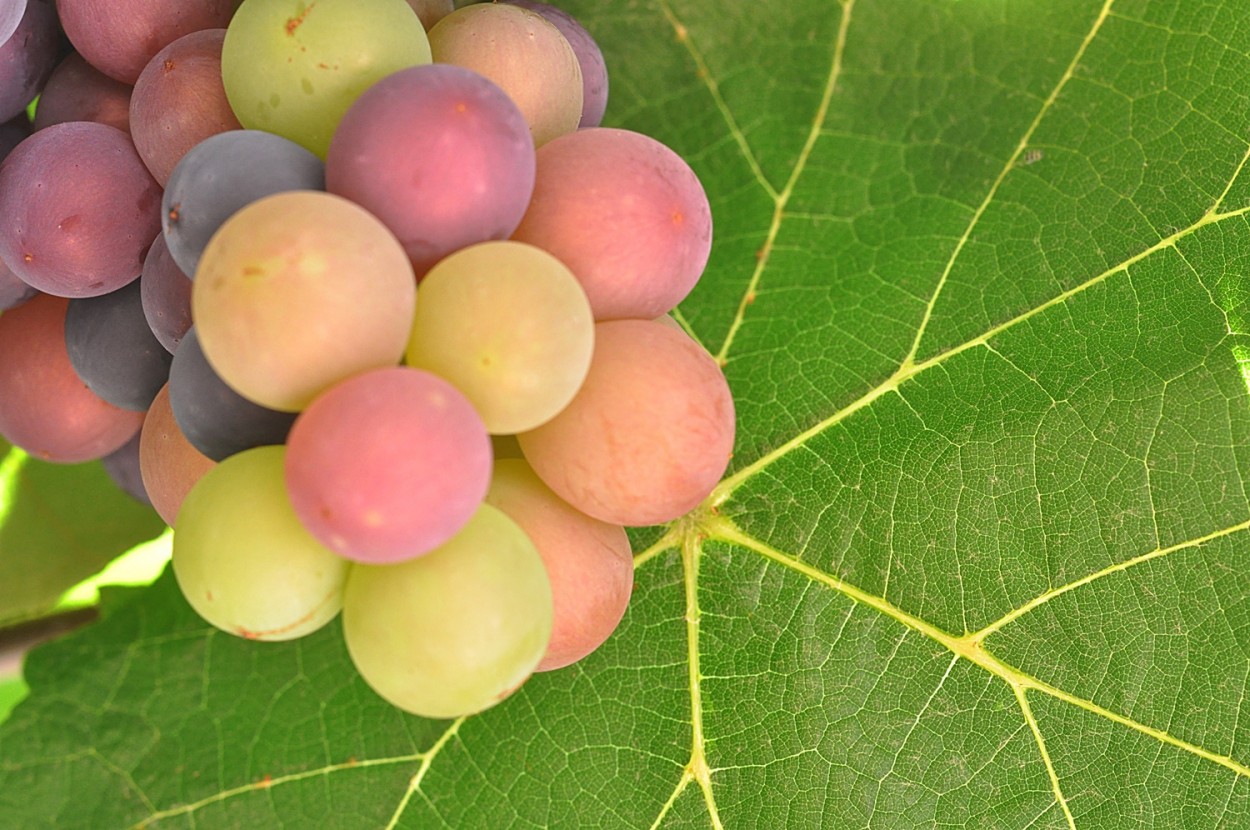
(113, 349)
(122, 466)
(242, 559)
(28, 57)
(589, 562)
(387, 465)
(648, 435)
(119, 37)
(224, 173)
(13, 292)
(80, 210)
(457, 630)
(626, 214)
(11, 12)
(77, 91)
(170, 464)
(12, 133)
(179, 101)
(432, 11)
(521, 52)
(589, 58)
(218, 421)
(44, 408)
(293, 67)
(440, 154)
(509, 325)
(298, 291)
(166, 296)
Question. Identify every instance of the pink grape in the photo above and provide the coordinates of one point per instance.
(440, 155)
(170, 465)
(119, 38)
(589, 562)
(28, 57)
(80, 210)
(179, 101)
(44, 407)
(387, 465)
(77, 91)
(626, 214)
(649, 434)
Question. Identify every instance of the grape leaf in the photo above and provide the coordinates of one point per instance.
(979, 287)
(59, 524)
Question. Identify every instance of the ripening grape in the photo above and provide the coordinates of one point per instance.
(123, 467)
(647, 436)
(626, 214)
(77, 91)
(293, 67)
(28, 57)
(457, 630)
(166, 295)
(179, 101)
(44, 407)
(589, 562)
(243, 560)
(11, 14)
(298, 291)
(509, 325)
(388, 464)
(169, 463)
(521, 52)
(440, 154)
(113, 349)
(80, 210)
(589, 58)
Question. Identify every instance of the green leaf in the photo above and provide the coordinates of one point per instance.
(980, 290)
(59, 524)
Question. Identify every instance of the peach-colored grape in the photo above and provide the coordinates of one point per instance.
(170, 464)
(649, 434)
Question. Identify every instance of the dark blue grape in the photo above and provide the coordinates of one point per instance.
(113, 350)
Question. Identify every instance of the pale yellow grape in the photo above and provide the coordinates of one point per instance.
(243, 560)
(293, 67)
(508, 325)
(522, 53)
(298, 291)
(457, 630)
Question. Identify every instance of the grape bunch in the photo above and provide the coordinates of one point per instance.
(362, 299)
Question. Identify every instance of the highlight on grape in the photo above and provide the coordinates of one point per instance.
(361, 297)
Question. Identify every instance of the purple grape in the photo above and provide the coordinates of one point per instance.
(77, 91)
(12, 133)
(11, 13)
(224, 173)
(166, 294)
(123, 468)
(218, 421)
(113, 350)
(80, 210)
(120, 38)
(13, 292)
(589, 56)
(440, 154)
(28, 57)
(179, 101)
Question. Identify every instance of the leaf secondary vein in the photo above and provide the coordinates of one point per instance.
(782, 198)
(966, 646)
(907, 372)
(1002, 175)
(1027, 711)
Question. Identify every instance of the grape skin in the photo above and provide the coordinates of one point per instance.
(521, 52)
(44, 407)
(589, 57)
(28, 57)
(169, 463)
(165, 292)
(589, 563)
(77, 91)
(113, 349)
(626, 214)
(457, 630)
(243, 560)
(388, 464)
(179, 101)
(649, 434)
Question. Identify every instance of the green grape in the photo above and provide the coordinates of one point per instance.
(457, 630)
(293, 67)
(510, 327)
(244, 561)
